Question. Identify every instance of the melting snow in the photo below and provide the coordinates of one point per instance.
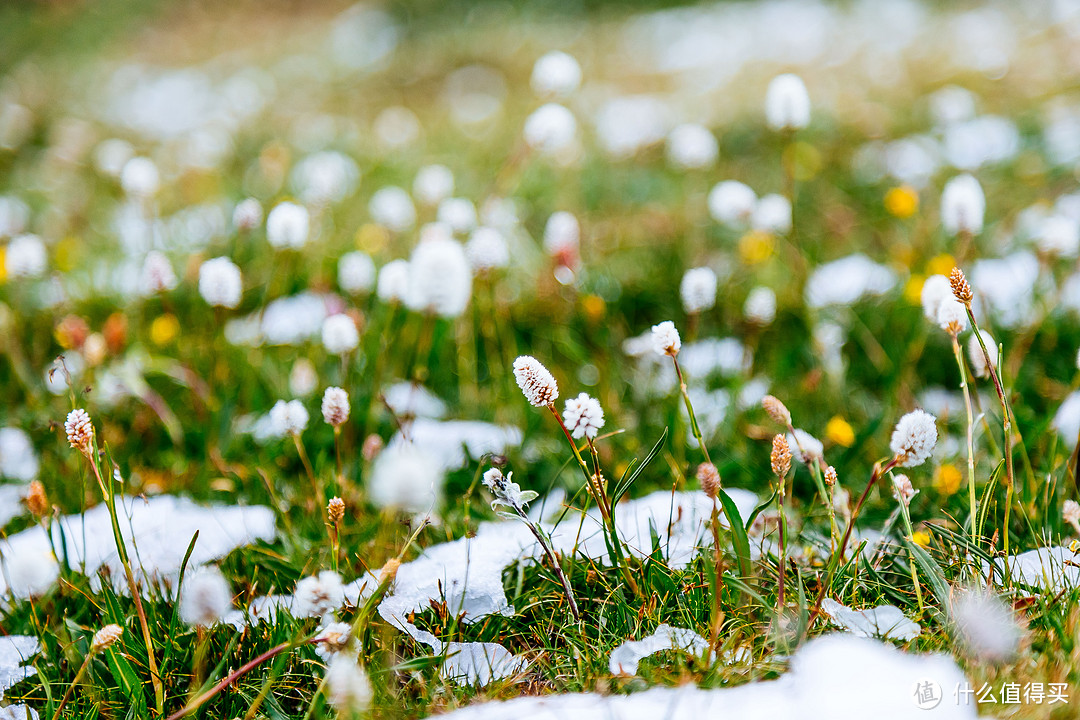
(625, 658)
(14, 651)
(884, 621)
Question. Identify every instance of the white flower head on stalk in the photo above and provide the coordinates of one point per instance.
(1070, 513)
(665, 339)
(698, 289)
(157, 274)
(536, 382)
(440, 279)
(952, 316)
(914, 438)
(339, 334)
(205, 597)
(333, 638)
(760, 306)
(140, 177)
(220, 282)
(335, 406)
(978, 358)
(288, 418)
(787, 104)
(487, 249)
(550, 129)
(805, 447)
(692, 147)
(433, 184)
(247, 215)
(287, 226)
(318, 595)
(963, 205)
(80, 430)
(25, 257)
(394, 280)
(506, 491)
(583, 416)
(903, 489)
(985, 626)
(935, 289)
(772, 214)
(732, 203)
(347, 685)
(356, 273)
(392, 208)
(555, 75)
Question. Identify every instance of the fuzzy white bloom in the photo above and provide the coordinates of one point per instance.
(25, 257)
(31, 573)
(985, 626)
(760, 306)
(555, 75)
(772, 214)
(914, 438)
(348, 688)
(205, 597)
(396, 127)
(335, 406)
(287, 226)
(692, 147)
(1059, 235)
(393, 208)
(157, 274)
(79, 429)
(339, 334)
(583, 416)
(248, 214)
(1070, 512)
(732, 203)
(324, 177)
(111, 155)
(665, 339)
(978, 358)
(303, 378)
(952, 315)
(220, 282)
(963, 205)
(140, 177)
(406, 477)
(356, 272)
(333, 638)
(18, 461)
(459, 214)
(440, 278)
(536, 382)
(698, 289)
(487, 249)
(787, 104)
(935, 289)
(562, 233)
(318, 595)
(288, 418)
(806, 448)
(903, 490)
(550, 129)
(433, 184)
(394, 280)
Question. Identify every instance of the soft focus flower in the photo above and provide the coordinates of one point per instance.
(914, 438)
(772, 214)
(318, 595)
(247, 215)
(220, 282)
(698, 289)
(347, 686)
(562, 237)
(440, 280)
(157, 274)
(952, 316)
(79, 429)
(536, 383)
(665, 339)
(205, 597)
(555, 75)
(288, 418)
(985, 625)
(732, 203)
(18, 461)
(787, 104)
(692, 147)
(1059, 235)
(433, 184)
(760, 306)
(839, 431)
(393, 208)
(332, 639)
(406, 477)
(335, 406)
(1070, 513)
(709, 477)
(902, 488)
(902, 202)
(962, 205)
(935, 289)
(459, 214)
(25, 257)
(583, 416)
(356, 273)
(394, 281)
(140, 177)
(303, 378)
(339, 334)
(550, 129)
(487, 249)
(287, 226)
(807, 448)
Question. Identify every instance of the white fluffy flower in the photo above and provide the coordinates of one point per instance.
(978, 357)
(407, 477)
(205, 597)
(356, 272)
(760, 306)
(287, 225)
(805, 447)
(692, 147)
(562, 233)
(487, 249)
(247, 215)
(962, 205)
(347, 685)
(550, 129)
(393, 208)
(952, 315)
(698, 289)
(318, 595)
(333, 638)
(393, 283)
(30, 573)
(583, 416)
(985, 625)
(536, 382)
(339, 334)
(903, 490)
(440, 278)
(288, 418)
(396, 127)
(665, 339)
(157, 274)
(1059, 235)
(303, 378)
(914, 438)
(732, 203)
(935, 289)
(556, 74)
(18, 461)
(220, 282)
(335, 406)
(772, 214)
(433, 184)
(459, 214)
(25, 257)
(140, 177)
(787, 104)
(506, 491)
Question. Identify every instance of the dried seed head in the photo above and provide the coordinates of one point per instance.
(536, 383)
(335, 510)
(389, 570)
(960, 287)
(106, 637)
(36, 500)
(598, 483)
(780, 457)
(830, 476)
(776, 410)
(80, 431)
(709, 477)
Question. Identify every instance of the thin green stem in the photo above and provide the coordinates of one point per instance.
(972, 500)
